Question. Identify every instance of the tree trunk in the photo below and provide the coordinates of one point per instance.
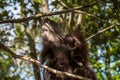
(45, 8)
(31, 35)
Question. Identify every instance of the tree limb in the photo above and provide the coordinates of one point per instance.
(83, 12)
(26, 58)
(103, 30)
(50, 14)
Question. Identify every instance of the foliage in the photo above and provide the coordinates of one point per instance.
(7, 70)
(24, 36)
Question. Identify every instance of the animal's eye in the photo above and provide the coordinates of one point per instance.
(44, 29)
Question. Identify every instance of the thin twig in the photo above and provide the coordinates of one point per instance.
(103, 30)
(26, 58)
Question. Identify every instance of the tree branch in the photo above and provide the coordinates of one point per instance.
(50, 14)
(103, 30)
(83, 12)
(79, 7)
(26, 58)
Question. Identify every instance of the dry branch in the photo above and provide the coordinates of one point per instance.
(103, 30)
(26, 58)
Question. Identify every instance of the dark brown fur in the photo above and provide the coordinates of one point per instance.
(79, 49)
(79, 55)
(68, 54)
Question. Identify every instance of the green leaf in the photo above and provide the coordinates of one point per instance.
(37, 1)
